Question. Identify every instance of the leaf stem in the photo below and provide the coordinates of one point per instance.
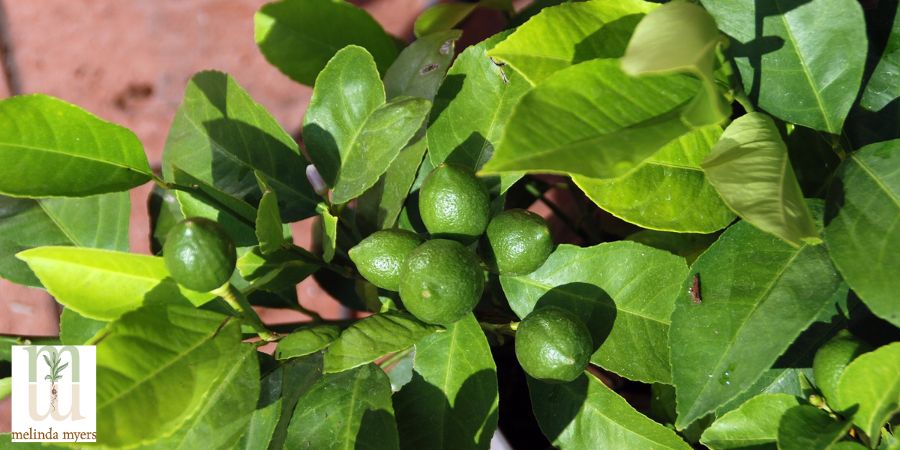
(236, 300)
(508, 329)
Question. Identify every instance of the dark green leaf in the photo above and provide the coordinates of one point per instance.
(870, 387)
(883, 86)
(75, 329)
(690, 246)
(420, 68)
(805, 427)
(261, 427)
(289, 381)
(164, 212)
(373, 337)
(753, 425)
(379, 207)
(276, 271)
(236, 216)
(442, 17)
(306, 341)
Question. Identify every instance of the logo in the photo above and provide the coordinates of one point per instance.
(54, 393)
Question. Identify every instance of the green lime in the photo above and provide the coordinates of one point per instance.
(553, 344)
(832, 358)
(199, 254)
(380, 256)
(441, 281)
(454, 203)
(517, 242)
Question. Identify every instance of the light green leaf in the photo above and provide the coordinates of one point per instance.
(753, 425)
(757, 294)
(668, 191)
(373, 337)
(871, 386)
(420, 68)
(328, 230)
(442, 17)
(236, 216)
(104, 284)
(585, 414)
(288, 382)
(451, 402)
(306, 341)
(261, 427)
(379, 207)
(75, 329)
(224, 138)
(166, 356)
(99, 221)
(593, 120)
(300, 36)
(883, 86)
(88, 155)
(164, 212)
(268, 221)
(567, 34)
(690, 246)
(5, 387)
(751, 170)
(805, 427)
(797, 63)
(624, 291)
(862, 232)
(276, 271)
(344, 410)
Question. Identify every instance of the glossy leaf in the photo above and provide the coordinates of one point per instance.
(329, 231)
(224, 138)
(99, 221)
(593, 120)
(753, 425)
(306, 341)
(757, 294)
(288, 382)
(75, 329)
(442, 17)
(268, 222)
(624, 291)
(88, 155)
(883, 86)
(379, 207)
(276, 271)
(751, 170)
(795, 65)
(567, 34)
(351, 408)
(373, 337)
(585, 414)
(236, 216)
(871, 386)
(806, 427)
(261, 427)
(420, 68)
(451, 402)
(165, 212)
(668, 191)
(300, 36)
(862, 232)
(167, 356)
(689, 246)
(103, 284)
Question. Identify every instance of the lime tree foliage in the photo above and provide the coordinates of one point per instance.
(732, 279)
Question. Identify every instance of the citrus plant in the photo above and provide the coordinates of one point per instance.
(723, 181)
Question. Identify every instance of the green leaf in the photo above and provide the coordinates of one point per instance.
(373, 337)
(420, 68)
(75, 329)
(99, 221)
(751, 170)
(806, 427)
(103, 284)
(306, 341)
(50, 148)
(753, 425)
(585, 414)
(871, 386)
(862, 213)
(300, 36)
(166, 356)
(288, 382)
(442, 17)
(472, 107)
(328, 230)
(351, 408)
(624, 291)
(451, 402)
(578, 31)
(276, 271)
(227, 408)
(593, 120)
(690, 246)
(269, 231)
(5, 387)
(794, 65)
(236, 216)
(224, 138)
(883, 86)
(164, 212)
(757, 294)
(379, 207)
(668, 191)
(261, 427)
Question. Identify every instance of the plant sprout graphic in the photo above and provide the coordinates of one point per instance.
(55, 369)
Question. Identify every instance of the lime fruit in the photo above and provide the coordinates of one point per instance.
(832, 358)
(517, 242)
(380, 256)
(454, 203)
(199, 254)
(553, 344)
(441, 281)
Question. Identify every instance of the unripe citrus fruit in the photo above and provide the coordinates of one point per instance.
(441, 281)
(517, 242)
(832, 358)
(380, 256)
(553, 344)
(199, 254)
(454, 203)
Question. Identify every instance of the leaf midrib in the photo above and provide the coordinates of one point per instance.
(72, 155)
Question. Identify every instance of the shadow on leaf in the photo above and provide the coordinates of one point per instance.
(592, 304)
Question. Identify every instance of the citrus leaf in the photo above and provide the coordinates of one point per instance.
(668, 191)
(276, 271)
(752, 425)
(379, 207)
(871, 386)
(585, 414)
(883, 86)
(104, 284)
(757, 294)
(269, 231)
(236, 216)
(261, 427)
(863, 225)
(751, 170)
(624, 291)
(300, 36)
(328, 229)
(288, 382)
(420, 68)
(451, 401)
(75, 329)
(442, 17)
(373, 337)
(88, 155)
(306, 341)
(805, 427)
